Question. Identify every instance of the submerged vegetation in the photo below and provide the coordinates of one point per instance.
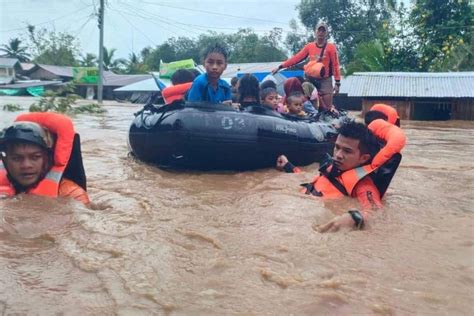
(12, 107)
(64, 101)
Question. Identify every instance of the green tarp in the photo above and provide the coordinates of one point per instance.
(85, 74)
(36, 91)
(10, 91)
(168, 69)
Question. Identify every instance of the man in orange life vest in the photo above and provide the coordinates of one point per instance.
(357, 157)
(36, 151)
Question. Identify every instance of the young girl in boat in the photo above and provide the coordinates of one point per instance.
(209, 87)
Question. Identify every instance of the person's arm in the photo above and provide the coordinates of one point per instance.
(284, 165)
(299, 56)
(394, 138)
(70, 189)
(336, 68)
(369, 199)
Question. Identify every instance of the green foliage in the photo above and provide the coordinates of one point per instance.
(15, 50)
(63, 101)
(351, 22)
(53, 48)
(297, 38)
(12, 107)
(369, 57)
(112, 64)
(242, 46)
(443, 30)
(89, 60)
(134, 65)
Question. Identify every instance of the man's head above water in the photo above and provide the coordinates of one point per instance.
(26, 153)
(355, 146)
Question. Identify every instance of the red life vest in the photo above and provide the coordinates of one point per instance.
(345, 183)
(176, 92)
(62, 127)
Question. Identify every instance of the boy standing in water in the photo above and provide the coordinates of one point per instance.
(208, 87)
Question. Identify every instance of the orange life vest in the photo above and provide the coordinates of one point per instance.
(176, 92)
(344, 184)
(390, 112)
(62, 127)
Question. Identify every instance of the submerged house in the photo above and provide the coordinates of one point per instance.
(8, 69)
(416, 95)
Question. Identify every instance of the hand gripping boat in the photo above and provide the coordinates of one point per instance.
(206, 136)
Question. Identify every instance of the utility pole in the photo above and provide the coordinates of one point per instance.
(101, 52)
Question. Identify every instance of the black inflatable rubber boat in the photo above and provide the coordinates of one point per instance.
(207, 136)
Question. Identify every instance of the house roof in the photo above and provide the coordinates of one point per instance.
(410, 84)
(27, 66)
(60, 71)
(22, 85)
(112, 79)
(8, 62)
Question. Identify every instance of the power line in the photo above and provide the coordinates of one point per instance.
(135, 27)
(49, 21)
(201, 27)
(163, 21)
(213, 13)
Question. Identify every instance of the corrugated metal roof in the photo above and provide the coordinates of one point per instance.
(22, 85)
(61, 71)
(111, 79)
(410, 84)
(8, 62)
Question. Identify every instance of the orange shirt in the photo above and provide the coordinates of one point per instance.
(312, 51)
(70, 189)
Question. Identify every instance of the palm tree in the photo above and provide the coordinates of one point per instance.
(110, 63)
(15, 50)
(369, 57)
(135, 65)
(89, 60)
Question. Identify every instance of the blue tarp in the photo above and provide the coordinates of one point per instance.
(287, 73)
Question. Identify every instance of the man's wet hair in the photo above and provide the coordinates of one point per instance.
(266, 92)
(214, 48)
(268, 84)
(371, 116)
(248, 87)
(368, 143)
(293, 96)
(182, 76)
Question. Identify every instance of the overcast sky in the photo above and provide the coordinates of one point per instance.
(131, 25)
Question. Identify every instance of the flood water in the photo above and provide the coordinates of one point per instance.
(171, 243)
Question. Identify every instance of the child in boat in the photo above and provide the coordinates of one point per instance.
(269, 98)
(248, 90)
(209, 87)
(182, 81)
(311, 105)
(295, 104)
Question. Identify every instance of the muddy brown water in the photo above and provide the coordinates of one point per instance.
(160, 242)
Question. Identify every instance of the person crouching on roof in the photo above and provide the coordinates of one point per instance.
(35, 152)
